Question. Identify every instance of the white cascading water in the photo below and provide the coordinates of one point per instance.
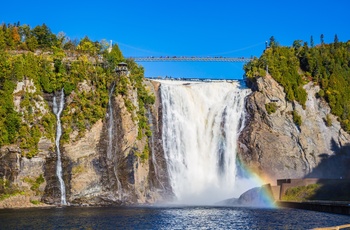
(57, 110)
(111, 133)
(201, 123)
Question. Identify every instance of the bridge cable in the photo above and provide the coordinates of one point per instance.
(233, 51)
(215, 54)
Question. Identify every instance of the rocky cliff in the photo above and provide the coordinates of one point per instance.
(115, 162)
(131, 171)
(123, 177)
(275, 147)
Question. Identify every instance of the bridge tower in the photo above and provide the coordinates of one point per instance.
(109, 49)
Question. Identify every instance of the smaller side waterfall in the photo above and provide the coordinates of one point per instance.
(152, 144)
(110, 124)
(57, 110)
(111, 133)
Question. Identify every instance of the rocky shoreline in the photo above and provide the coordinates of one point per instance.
(21, 201)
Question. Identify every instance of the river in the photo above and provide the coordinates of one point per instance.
(188, 217)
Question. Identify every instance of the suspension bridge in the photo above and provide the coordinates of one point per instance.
(190, 59)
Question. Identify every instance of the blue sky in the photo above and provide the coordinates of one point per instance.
(188, 28)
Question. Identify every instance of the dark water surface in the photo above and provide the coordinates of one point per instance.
(166, 218)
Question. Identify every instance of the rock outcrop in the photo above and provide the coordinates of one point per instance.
(93, 173)
(254, 197)
(23, 174)
(119, 177)
(274, 147)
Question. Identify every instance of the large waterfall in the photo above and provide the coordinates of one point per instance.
(201, 122)
(57, 110)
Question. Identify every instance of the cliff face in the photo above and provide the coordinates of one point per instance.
(100, 167)
(122, 177)
(275, 147)
(111, 163)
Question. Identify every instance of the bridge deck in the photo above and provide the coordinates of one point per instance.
(191, 59)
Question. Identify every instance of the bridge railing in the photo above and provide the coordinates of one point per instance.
(191, 59)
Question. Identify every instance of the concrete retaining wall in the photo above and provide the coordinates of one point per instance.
(331, 207)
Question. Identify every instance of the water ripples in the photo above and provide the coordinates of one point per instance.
(167, 218)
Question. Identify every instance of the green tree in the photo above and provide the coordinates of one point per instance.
(297, 44)
(44, 36)
(32, 43)
(70, 45)
(2, 40)
(9, 39)
(24, 32)
(336, 41)
(272, 42)
(87, 46)
(114, 57)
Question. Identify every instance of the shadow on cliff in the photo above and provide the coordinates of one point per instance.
(333, 166)
(334, 175)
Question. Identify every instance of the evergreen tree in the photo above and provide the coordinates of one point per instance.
(44, 36)
(69, 45)
(114, 57)
(32, 43)
(336, 41)
(24, 32)
(272, 42)
(8, 38)
(312, 41)
(2, 40)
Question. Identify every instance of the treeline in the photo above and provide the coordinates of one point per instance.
(327, 65)
(16, 36)
(23, 37)
(54, 62)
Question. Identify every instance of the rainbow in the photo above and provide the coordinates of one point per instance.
(261, 186)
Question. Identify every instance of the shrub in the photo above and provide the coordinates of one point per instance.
(328, 120)
(7, 189)
(297, 118)
(144, 156)
(320, 93)
(271, 107)
(35, 202)
(35, 183)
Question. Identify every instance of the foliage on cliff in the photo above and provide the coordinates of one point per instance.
(301, 193)
(327, 65)
(84, 69)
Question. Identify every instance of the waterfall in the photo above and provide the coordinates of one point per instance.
(201, 122)
(57, 110)
(111, 133)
